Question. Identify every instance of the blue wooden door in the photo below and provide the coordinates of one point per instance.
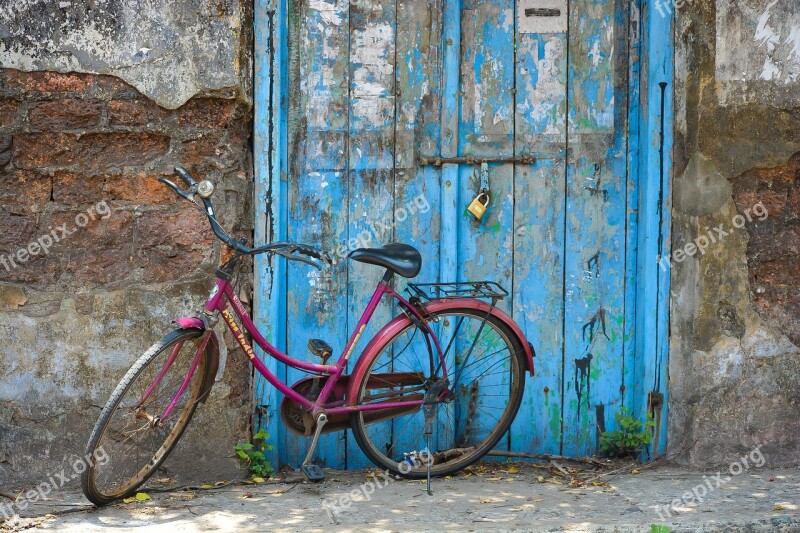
(397, 113)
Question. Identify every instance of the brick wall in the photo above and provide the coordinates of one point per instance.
(72, 140)
(73, 149)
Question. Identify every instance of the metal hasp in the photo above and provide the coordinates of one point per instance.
(541, 16)
(470, 160)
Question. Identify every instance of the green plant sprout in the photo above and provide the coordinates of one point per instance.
(253, 454)
(630, 436)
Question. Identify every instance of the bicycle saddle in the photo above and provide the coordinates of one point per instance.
(400, 258)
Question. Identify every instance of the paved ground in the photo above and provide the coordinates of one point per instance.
(518, 497)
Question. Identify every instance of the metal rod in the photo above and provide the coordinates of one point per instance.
(429, 461)
(470, 160)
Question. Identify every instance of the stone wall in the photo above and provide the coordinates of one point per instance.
(79, 158)
(734, 358)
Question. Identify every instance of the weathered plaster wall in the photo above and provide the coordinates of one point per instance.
(73, 320)
(734, 362)
(167, 50)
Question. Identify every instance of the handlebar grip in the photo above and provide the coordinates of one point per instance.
(313, 252)
(185, 176)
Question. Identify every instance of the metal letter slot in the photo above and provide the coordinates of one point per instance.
(542, 12)
(542, 16)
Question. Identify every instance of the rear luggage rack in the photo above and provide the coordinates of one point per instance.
(465, 289)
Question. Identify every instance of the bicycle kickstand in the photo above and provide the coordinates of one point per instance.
(311, 471)
(429, 402)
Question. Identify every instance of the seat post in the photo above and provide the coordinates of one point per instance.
(387, 276)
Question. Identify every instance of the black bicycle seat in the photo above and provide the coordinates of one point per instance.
(400, 258)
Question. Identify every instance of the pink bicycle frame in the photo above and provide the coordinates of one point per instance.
(224, 294)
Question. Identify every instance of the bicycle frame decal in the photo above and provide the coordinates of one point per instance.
(355, 341)
(238, 333)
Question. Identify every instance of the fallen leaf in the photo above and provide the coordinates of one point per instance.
(512, 470)
(485, 500)
(139, 497)
(634, 471)
(206, 486)
(539, 500)
(510, 479)
(220, 483)
(779, 507)
(540, 479)
(258, 479)
(448, 477)
(467, 474)
(493, 478)
(164, 480)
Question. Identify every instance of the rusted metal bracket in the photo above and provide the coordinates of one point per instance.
(655, 403)
(470, 160)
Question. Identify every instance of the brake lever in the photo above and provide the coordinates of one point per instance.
(183, 174)
(186, 195)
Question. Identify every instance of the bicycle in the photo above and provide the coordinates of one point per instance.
(438, 372)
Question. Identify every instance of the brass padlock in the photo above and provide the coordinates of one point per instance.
(478, 207)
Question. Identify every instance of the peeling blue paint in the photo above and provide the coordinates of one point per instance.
(376, 85)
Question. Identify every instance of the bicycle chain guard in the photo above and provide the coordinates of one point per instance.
(296, 417)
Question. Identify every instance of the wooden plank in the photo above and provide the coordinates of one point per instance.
(634, 69)
(652, 350)
(539, 213)
(486, 128)
(417, 127)
(595, 230)
(270, 188)
(371, 202)
(318, 189)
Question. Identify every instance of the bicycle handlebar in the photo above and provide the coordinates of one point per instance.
(285, 249)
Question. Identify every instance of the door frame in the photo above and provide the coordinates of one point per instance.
(650, 130)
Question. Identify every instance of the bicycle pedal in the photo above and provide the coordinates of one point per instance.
(320, 348)
(313, 472)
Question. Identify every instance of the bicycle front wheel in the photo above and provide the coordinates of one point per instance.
(133, 437)
(485, 369)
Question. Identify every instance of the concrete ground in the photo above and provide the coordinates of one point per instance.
(492, 497)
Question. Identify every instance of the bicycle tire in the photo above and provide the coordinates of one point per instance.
(404, 434)
(179, 417)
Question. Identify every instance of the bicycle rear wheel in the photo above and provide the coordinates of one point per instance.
(485, 369)
(132, 437)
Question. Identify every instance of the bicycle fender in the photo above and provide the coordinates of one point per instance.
(212, 353)
(402, 321)
(212, 365)
(190, 322)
